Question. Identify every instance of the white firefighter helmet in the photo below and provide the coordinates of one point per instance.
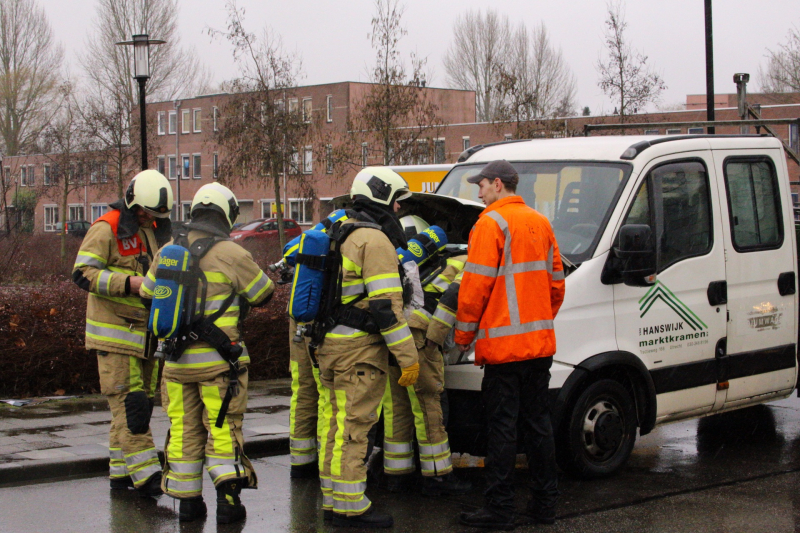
(412, 224)
(151, 191)
(217, 198)
(382, 185)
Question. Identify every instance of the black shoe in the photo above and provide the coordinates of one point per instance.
(121, 483)
(401, 483)
(488, 519)
(229, 506)
(192, 509)
(448, 485)
(327, 515)
(369, 519)
(306, 471)
(151, 487)
(540, 515)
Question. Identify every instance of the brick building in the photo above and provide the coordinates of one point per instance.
(185, 146)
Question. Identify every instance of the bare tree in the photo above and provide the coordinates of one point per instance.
(29, 67)
(782, 71)
(480, 45)
(535, 82)
(394, 119)
(68, 148)
(624, 75)
(262, 130)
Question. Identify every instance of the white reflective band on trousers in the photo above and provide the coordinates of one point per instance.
(303, 451)
(398, 456)
(186, 467)
(218, 467)
(327, 492)
(142, 465)
(116, 463)
(507, 271)
(435, 458)
(348, 497)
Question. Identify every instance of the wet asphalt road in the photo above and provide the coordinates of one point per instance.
(734, 472)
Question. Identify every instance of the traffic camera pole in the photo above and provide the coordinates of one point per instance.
(143, 120)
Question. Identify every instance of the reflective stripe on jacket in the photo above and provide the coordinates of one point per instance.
(420, 318)
(513, 285)
(115, 321)
(229, 268)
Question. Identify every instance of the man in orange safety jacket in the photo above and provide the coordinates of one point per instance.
(512, 288)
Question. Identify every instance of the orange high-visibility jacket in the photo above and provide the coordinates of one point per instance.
(513, 285)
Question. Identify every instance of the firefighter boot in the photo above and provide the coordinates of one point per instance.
(151, 487)
(306, 471)
(229, 506)
(122, 483)
(192, 509)
(446, 485)
(401, 483)
(370, 519)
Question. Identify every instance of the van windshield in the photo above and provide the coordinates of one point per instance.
(576, 196)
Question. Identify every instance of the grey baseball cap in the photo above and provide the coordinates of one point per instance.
(497, 169)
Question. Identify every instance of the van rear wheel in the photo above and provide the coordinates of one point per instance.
(599, 433)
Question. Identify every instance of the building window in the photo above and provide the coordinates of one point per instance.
(23, 176)
(196, 166)
(438, 151)
(507, 137)
(172, 172)
(280, 106)
(422, 152)
(161, 123)
(651, 132)
(329, 159)
(104, 172)
(162, 165)
(185, 118)
(196, 116)
(465, 143)
(48, 177)
(76, 212)
(308, 160)
(292, 105)
(673, 131)
(216, 165)
(300, 210)
(215, 114)
(98, 210)
(93, 173)
(364, 154)
(294, 161)
(173, 122)
(51, 218)
(31, 175)
(329, 106)
(696, 131)
(307, 109)
(186, 210)
(794, 137)
(185, 166)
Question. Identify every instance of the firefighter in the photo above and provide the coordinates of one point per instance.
(355, 355)
(418, 408)
(512, 289)
(197, 382)
(111, 263)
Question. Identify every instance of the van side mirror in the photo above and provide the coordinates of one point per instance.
(637, 251)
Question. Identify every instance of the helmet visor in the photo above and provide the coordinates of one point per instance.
(161, 212)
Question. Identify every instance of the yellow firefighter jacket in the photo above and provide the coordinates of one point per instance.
(421, 318)
(229, 268)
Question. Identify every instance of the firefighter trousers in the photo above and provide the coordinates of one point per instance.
(306, 407)
(194, 440)
(129, 384)
(416, 410)
(353, 382)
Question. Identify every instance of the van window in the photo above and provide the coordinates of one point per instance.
(576, 196)
(686, 207)
(754, 205)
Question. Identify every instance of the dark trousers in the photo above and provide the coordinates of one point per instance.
(513, 391)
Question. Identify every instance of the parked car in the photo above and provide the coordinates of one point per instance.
(77, 228)
(265, 229)
(681, 300)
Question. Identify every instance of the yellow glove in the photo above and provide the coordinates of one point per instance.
(409, 376)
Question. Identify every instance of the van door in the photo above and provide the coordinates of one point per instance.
(761, 265)
(671, 325)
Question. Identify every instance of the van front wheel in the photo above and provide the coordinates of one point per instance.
(599, 434)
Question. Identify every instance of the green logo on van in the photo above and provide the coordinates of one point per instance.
(659, 291)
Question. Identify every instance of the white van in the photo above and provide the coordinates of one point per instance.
(680, 255)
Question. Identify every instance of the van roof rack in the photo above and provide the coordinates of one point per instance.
(758, 123)
(637, 148)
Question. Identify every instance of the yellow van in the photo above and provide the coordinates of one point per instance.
(423, 178)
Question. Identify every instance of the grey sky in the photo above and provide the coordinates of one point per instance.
(331, 37)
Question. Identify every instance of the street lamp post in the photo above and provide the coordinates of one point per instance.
(141, 72)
